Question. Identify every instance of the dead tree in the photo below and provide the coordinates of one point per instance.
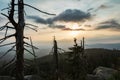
(19, 34)
(56, 51)
(55, 54)
(35, 60)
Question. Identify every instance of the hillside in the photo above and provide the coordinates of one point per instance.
(92, 53)
(95, 57)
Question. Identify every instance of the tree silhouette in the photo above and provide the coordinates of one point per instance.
(77, 61)
(56, 51)
(19, 26)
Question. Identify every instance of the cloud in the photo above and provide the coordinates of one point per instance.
(87, 25)
(103, 6)
(72, 15)
(37, 19)
(111, 24)
(69, 15)
(47, 21)
(57, 26)
(90, 9)
(69, 29)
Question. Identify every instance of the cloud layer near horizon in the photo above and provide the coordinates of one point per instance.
(110, 24)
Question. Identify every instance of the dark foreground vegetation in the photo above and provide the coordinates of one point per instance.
(94, 58)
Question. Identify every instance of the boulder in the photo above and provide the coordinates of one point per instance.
(104, 72)
(101, 73)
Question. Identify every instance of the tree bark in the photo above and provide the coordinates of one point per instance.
(20, 42)
(56, 60)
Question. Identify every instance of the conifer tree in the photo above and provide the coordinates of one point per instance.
(77, 62)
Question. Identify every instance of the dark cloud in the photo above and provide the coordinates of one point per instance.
(37, 19)
(57, 26)
(87, 25)
(72, 15)
(90, 9)
(69, 29)
(103, 6)
(111, 24)
(68, 15)
(49, 21)
(43, 21)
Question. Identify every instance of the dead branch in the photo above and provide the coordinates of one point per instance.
(7, 52)
(7, 23)
(28, 60)
(29, 52)
(30, 45)
(5, 26)
(27, 46)
(59, 53)
(36, 64)
(38, 9)
(6, 37)
(31, 25)
(51, 51)
(1, 28)
(10, 27)
(8, 63)
(6, 32)
(11, 15)
(5, 15)
(61, 49)
(31, 28)
(7, 44)
(5, 8)
(25, 37)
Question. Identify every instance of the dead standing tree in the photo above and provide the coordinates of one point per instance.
(19, 34)
(56, 51)
(55, 54)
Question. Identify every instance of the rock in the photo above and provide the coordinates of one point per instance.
(104, 72)
(101, 73)
(32, 77)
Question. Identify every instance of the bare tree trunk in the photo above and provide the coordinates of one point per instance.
(19, 35)
(56, 59)
(19, 42)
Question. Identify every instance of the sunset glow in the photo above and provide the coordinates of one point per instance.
(100, 20)
(74, 33)
(75, 26)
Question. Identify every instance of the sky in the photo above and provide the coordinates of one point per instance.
(96, 20)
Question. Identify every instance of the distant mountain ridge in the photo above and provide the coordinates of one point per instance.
(104, 45)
